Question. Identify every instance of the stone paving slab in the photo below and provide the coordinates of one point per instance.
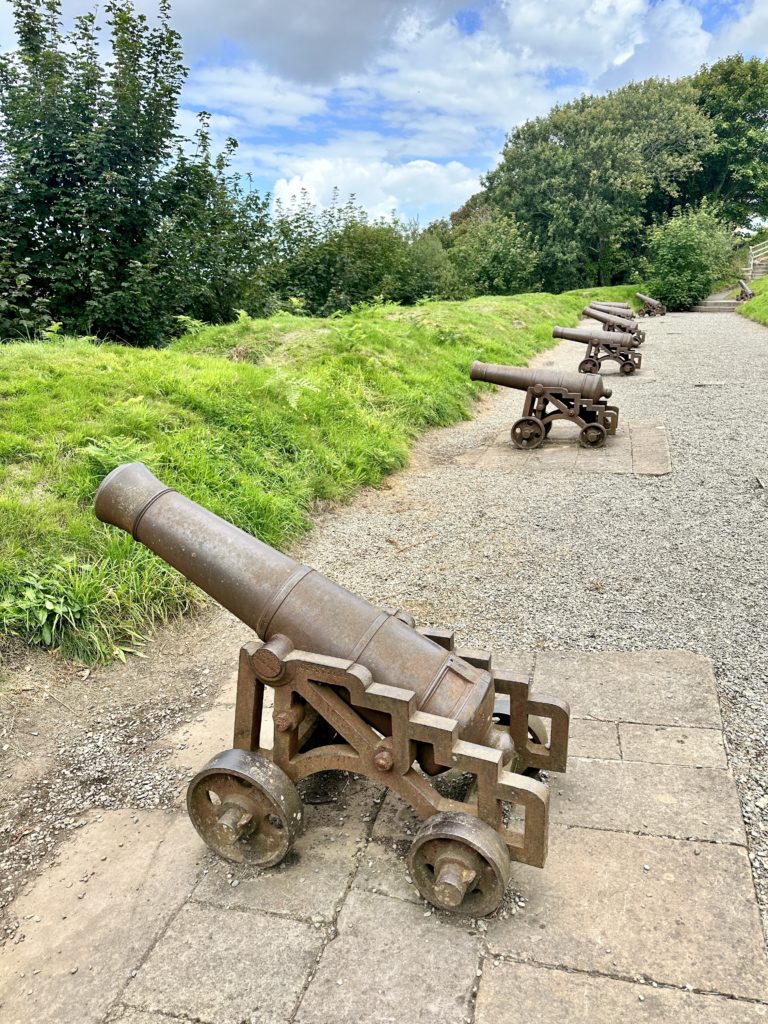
(641, 448)
(225, 967)
(310, 884)
(662, 800)
(391, 964)
(593, 739)
(626, 905)
(512, 992)
(89, 920)
(700, 748)
(647, 687)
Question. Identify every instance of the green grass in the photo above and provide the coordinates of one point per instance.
(757, 308)
(256, 421)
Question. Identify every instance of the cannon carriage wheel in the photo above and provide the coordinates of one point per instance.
(627, 367)
(245, 808)
(457, 862)
(589, 366)
(593, 435)
(528, 432)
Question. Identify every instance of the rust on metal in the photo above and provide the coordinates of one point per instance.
(611, 322)
(603, 346)
(550, 395)
(356, 688)
(651, 307)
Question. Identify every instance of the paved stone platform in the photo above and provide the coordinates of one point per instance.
(645, 911)
(640, 448)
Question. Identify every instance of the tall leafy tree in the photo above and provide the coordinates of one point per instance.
(84, 147)
(583, 180)
(734, 94)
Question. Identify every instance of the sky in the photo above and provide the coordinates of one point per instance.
(407, 104)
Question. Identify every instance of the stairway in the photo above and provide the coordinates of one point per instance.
(713, 305)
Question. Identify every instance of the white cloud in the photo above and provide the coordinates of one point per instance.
(392, 100)
(419, 186)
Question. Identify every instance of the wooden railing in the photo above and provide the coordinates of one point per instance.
(757, 254)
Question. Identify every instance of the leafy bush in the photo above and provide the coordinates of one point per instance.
(687, 255)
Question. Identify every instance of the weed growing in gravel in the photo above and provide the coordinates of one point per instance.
(256, 421)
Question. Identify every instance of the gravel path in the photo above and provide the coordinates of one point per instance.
(526, 560)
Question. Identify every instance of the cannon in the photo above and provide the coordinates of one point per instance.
(602, 346)
(651, 307)
(622, 309)
(356, 688)
(552, 395)
(611, 322)
(745, 292)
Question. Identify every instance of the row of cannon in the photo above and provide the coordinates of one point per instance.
(580, 398)
(361, 689)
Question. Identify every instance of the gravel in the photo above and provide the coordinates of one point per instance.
(518, 561)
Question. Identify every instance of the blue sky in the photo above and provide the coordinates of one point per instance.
(406, 104)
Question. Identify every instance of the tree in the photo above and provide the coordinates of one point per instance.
(734, 95)
(84, 144)
(492, 255)
(584, 180)
(687, 255)
(217, 236)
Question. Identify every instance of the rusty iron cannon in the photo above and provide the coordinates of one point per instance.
(552, 395)
(622, 309)
(745, 292)
(651, 307)
(356, 688)
(611, 322)
(602, 346)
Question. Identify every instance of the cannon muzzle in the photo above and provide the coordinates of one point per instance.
(587, 336)
(589, 385)
(275, 595)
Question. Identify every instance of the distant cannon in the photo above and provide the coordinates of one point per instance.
(611, 322)
(552, 395)
(651, 307)
(602, 346)
(356, 688)
(622, 309)
(745, 292)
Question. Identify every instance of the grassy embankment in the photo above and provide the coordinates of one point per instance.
(255, 420)
(757, 308)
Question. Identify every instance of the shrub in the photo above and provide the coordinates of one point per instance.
(687, 255)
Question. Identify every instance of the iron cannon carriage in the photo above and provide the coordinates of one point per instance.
(651, 307)
(356, 688)
(603, 346)
(552, 395)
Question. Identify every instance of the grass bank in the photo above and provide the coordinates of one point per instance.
(757, 308)
(256, 420)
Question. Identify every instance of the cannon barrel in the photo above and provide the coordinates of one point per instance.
(588, 385)
(273, 594)
(610, 318)
(585, 335)
(649, 301)
(618, 308)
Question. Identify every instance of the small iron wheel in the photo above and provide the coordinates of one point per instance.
(627, 368)
(459, 863)
(589, 366)
(593, 435)
(245, 808)
(527, 432)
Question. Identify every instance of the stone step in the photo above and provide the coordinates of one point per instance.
(716, 306)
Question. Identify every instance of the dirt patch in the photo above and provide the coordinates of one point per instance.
(75, 740)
